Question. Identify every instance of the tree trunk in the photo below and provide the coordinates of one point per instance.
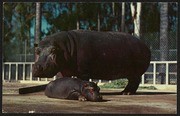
(138, 20)
(136, 13)
(164, 31)
(113, 8)
(163, 38)
(38, 26)
(98, 22)
(123, 17)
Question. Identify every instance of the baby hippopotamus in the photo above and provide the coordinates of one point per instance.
(73, 89)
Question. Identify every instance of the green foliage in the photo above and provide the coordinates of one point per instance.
(121, 83)
(150, 18)
(86, 13)
(18, 19)
(116, 84)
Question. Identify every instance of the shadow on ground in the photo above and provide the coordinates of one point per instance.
(138, 93)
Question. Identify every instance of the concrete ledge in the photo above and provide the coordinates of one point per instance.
(34, 82)
(162, 87)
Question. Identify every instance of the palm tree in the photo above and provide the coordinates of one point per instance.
(164, 31)
(123, 17)
(136, 13)
(38, 26)
(163, 37)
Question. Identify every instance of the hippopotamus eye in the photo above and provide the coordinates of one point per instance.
(38, 51)
(91, 91)
(53, 50)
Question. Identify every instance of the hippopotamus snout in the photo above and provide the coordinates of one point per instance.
(37, 68)
(99, 98)
(96, 98)
(91, 92)
(43, 69)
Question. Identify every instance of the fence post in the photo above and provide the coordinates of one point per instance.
(154, 73)
(9, 72)
(16, 72)
(30, 72)
(3, 72)
(167, 73)
(142, 79)
(23, 72)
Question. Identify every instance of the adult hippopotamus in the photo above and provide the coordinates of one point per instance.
(73, 89)
(95, 55)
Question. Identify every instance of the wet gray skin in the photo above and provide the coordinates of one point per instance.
(46, 62)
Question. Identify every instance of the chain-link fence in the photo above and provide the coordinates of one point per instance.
(17, 52)
(21, 53)
(153, 42)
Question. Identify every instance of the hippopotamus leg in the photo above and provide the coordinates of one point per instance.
(82, 98)
(76, 95)
(132, 86)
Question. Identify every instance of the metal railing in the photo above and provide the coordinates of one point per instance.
(7, 70)
(22, 71)
(153, 70)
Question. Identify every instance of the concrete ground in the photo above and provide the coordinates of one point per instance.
(144, 102)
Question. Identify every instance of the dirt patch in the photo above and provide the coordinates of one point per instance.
(145, 102)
